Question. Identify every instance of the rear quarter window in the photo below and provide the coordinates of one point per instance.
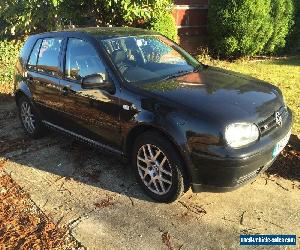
(34, 55)
(25, 52)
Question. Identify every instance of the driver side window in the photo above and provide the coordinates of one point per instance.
(82, 60)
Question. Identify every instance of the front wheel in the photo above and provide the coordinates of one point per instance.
(158, 167)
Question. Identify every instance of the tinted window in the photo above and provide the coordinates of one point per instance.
(82, 60)
(48, 59)
(34, 55)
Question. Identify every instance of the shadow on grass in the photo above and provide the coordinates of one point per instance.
(289, 61)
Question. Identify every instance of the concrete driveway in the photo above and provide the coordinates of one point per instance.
(97, 197)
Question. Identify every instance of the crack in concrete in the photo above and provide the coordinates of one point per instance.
(126, 190)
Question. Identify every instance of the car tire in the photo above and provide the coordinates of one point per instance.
(158, 167)
(30, 120)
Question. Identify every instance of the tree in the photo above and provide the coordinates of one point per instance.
(22, 17)
(249, 27)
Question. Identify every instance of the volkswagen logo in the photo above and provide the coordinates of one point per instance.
(278, 119)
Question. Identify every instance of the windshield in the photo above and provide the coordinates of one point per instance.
(147, 59)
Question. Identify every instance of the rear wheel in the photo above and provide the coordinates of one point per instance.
(158, 167)
(29, 118)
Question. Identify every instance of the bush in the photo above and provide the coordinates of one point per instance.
(9, 51)
(166, 25)
(19, 18)
(246, 27)
(293, 41)
(282, 18)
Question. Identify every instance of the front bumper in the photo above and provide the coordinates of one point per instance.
(230, 175)
(225, 173)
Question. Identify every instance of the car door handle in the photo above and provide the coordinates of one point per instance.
(65, 90)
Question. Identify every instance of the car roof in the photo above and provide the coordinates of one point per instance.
(104, 32)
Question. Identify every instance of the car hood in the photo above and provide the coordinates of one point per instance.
(221, 94)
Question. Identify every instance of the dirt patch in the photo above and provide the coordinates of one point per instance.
(23, 225)
(8, 144)
(2, 162)
(104, 203)
(166, 239)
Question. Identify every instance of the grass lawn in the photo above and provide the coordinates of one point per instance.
(284, 73)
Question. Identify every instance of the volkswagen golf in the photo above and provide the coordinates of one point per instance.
(137, 94)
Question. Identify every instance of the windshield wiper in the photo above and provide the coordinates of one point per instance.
(199, 67)
(177, 74)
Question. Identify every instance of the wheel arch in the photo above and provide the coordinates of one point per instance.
(18, 95)
(22, 90)
(143, 128)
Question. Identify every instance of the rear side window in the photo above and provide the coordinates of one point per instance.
(34, 55)
(48, 58)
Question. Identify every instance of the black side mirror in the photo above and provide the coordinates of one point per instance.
(97, 81)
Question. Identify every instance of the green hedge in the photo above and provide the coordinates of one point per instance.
(249, 27)
(9, 51)
(282, 19)
(293, 43)
(165, 25)
(21, 18)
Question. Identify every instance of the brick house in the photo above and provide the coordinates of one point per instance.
(191, 21)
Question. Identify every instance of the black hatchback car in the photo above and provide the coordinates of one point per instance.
(137, 94)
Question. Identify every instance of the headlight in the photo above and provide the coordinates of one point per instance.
(241, 134)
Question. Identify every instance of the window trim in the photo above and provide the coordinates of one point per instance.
(28, 59)
(64, 76)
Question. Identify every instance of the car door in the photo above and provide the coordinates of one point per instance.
(89, 112)
(44, 76)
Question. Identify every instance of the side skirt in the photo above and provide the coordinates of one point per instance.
(83, 139)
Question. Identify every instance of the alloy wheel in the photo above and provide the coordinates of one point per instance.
(154, 169)
(27, 117)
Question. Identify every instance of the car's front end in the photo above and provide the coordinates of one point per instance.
(234, 126)
(225, 168)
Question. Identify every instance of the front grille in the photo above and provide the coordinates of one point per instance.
(269, 124)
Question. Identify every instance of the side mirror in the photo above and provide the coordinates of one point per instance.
(97, 81)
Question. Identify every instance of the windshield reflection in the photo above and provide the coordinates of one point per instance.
(144, 59)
